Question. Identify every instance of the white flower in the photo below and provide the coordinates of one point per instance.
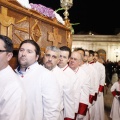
(59, 18)
(25, 3)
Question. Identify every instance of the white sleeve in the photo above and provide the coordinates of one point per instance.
(114, 86)
(51, 98)
(13, 103)
(102, 80)
(68, 92)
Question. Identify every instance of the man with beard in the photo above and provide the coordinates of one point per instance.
(42, 91)
(50, 61)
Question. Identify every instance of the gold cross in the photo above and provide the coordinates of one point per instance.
(6, 23)
(54, 37)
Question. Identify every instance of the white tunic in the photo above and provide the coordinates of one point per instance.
(72, 80)
(66, 92)
(90, 70)
(12, 96)
(83, 88)
(99, 105)
(43, 99)
(115, 110)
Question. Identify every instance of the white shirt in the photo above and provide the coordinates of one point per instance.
(72, 79)
(43, 99)
(101, 75)
(12, 96)
(83, 88)
(66, 92)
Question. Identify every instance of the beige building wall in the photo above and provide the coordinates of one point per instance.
(109, 43)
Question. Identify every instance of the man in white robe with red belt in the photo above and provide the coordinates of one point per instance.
(50, 61)
(65, 53)
(115, 109)
(99, 105)
(12, 94)
(43, 99)
(90, 71)
(83, 85)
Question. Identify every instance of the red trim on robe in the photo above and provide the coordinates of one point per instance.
(82, 109)
(91, 98)
(114, 93)
(101, 88)
(91, 62)
(67, 119)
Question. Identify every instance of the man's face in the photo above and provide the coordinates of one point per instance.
(86, 56)
(91, 57)
(75, 60)
(81, 52)
(4, 56)
(50, 59)
(95, 57)
(64, 59)
(27, 55)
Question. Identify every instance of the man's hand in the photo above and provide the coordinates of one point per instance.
(80, 117)
(117, 97)
(100, 93)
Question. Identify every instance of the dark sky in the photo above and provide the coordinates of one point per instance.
(101, 17)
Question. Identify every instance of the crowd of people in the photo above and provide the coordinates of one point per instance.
(111, 68)
(65, 85)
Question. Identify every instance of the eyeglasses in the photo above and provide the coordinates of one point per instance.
(4, 51)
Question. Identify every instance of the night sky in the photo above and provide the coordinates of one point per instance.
(101, 17)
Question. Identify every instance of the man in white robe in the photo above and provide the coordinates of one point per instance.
(12, 95)
(50, 60)
(99, 105)
(65, 54)
(83, 85)
(43, 99)
(90, 71)
(115, 109)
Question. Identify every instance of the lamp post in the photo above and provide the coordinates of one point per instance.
(66, 4)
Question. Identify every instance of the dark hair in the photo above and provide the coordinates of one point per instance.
(37, 48)
(91, 52)
(65, 48)
(96, 53)
(8, 43)
(77, 49)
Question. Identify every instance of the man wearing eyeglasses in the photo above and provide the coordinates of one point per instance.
(50, 61)
(12, 96)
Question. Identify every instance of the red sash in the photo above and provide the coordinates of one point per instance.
(82, 108)
(101, 88)
(91, 98)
